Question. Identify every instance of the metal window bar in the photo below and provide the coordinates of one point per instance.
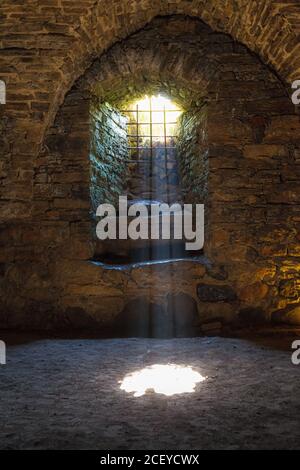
(151, 130)
(146, 111)
(148, 123)
(157, 136)
(165, 132)
(136, 137)
(137, 131)
(158, 147)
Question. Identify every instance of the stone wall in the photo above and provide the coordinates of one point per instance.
(192, 149)
(108, 154)
(47, 45)
(254, 137)
(47, 278)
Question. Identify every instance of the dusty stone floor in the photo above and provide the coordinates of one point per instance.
(64, 394)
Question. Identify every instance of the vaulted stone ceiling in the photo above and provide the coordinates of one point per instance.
(179, 56)
(58, 39)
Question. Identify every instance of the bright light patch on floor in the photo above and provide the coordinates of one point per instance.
(168, 379)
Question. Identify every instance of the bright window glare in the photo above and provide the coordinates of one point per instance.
(168, 379)
(158, 104)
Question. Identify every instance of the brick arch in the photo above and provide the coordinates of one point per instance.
(47, 47)
(157, 60)
(152, 60)
(83, 33)
(266, 28)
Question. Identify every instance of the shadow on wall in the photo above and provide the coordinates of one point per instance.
(143, 318)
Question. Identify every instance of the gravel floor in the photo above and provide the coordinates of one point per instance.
(65, 394)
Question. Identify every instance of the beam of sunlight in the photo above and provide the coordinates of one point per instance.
(167, 379)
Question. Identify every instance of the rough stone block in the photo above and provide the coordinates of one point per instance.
(215, 293)
(289, 316)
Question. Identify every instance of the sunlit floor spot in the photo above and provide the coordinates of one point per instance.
(168, 379)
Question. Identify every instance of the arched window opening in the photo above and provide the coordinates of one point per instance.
(136, 153)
